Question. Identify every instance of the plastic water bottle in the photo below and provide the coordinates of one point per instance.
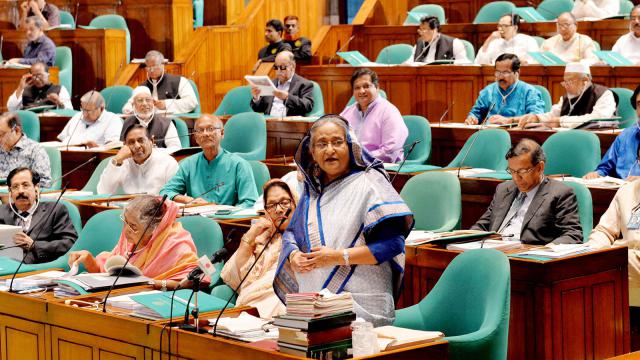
(364, 340)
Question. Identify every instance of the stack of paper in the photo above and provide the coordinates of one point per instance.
(157, 306)
(486, 244)
(207, 209)
(85, 283)
(556, 251)
(468, 172)
(245, 327)
(127, 303)
(7, 246)
(391, 337)
(44, 279)
(606, 182)
(314, 305)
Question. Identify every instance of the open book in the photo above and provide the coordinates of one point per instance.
(392, 337)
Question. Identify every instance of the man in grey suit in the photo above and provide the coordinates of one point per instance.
(294, 94)
(47, 231)
(532, 208)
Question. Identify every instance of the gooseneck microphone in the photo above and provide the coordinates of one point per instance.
(413, 146)
(344, 46)
(74, 169)
(473, 141)
(446, 111)
(214, 187)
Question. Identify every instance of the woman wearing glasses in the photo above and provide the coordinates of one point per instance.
(257, 290)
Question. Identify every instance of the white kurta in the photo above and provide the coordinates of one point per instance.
(131, 178)
(459, 54)
(15, 102)
(185, 104)
(106, 129)
(519, 45)
(578, 48)
(628, 45)
(604, 108)
(595, 9)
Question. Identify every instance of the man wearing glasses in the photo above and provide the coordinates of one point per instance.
(532, 208)
(93, 126)
(39, 47)
(172, 94)
(507, 99)
(301, 46)
(214, 175)
(628, 45)
(568, 45)
(35, 89)
(294, 94)
(16, 150)
(506, 40)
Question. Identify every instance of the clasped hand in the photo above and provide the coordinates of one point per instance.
(318, 257)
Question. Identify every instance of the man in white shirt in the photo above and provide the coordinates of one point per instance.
(595, 9)
(583, 101)
(35, 89)
(137, 168)
(93, 126)
(432, 45)
(568, 45)
(506, 40)
(172, 94)
(628, 45)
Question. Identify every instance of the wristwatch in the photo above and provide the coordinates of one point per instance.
(345, 256)
(115, 162)
(163, 285)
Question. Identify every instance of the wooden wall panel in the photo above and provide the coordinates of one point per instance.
(21, 339)
(67, 345)
(9, 14)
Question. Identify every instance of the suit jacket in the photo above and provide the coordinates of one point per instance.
(299, 102)
(552, 215)
(53, 234)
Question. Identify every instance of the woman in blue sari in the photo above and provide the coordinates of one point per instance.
(348, 232)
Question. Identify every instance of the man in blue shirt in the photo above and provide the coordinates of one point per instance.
(508, 98)
(621, 160)
(39, 46)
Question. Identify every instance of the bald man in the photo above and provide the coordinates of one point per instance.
(93, 126)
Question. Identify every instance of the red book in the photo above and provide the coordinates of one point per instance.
(303, 338)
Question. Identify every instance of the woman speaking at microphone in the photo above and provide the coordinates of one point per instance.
(257, 290)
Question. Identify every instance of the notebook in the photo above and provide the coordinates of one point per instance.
(547, 58)
(613, 58)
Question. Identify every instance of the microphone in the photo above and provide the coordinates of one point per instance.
(75, 18)
(74, 169)
(482, 127)
(217, 257)
(133, 251)
(344, 46)
(28, 250)
(235, 291)
(446, 111)
(413, 146)
(201, 195)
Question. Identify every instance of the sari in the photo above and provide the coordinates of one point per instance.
(360, 208)
(169, 255)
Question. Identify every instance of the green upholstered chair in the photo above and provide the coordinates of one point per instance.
(539, 40)
(30, 124)
(420, 11)
(493, 11)
(318, 101)
(626, 112)
(625, 7)
(469, 304)
(260, 174)
(223, 291)
(55, 161)
(92, 183)
(596, 45)
(207, 236)
(546, 97)
(435, 199)
(236, 101)
(245, 134)
(573, 152)
(394, 54)
(471, 52)
(64, 62)
(115, 97)
(67, 19)
(113, 22)
(585, 207)
(74, 213)
(529, 14)
(551, 9)
(198, 13)
(488, 151)
(198, 108)
(419, 129)
(380, 92)
(183, 132)
(64, 112)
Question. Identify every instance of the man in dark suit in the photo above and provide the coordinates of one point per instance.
(275, 45)
(532, 208)
(300, 45)
(47, 231)
(294, 94)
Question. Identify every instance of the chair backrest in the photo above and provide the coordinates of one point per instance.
(74, 213)
(493, 11)
(625, 7)
(245, 134)
(67, 19)
(55, 161)
(183, 132)
(551, 9)
(115, 97)
(394, 54)
(64, 62)
(487, 152)
(419, 129)
(420, 11)
(224, 292)
(260, 174)
(30, 124)
(585, 207)
(112, 21)
(573, 152)
(236, 101)
(198, 13)
(206, 233)
(539, 40)
(596, 45)
(435, 199)
(92, 183)
(198, 108)
(381, 92)
(546, 97)
(626, 112)
(471, 52)
(318, 101)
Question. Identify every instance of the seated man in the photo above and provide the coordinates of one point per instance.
(532, 208)
(47, 231)
(628, 45)
(16, 150)
(93, 126)
(568, 45)
(621, 160)
(582, 102)
(432, 45)
(595, 9)
(48, 13)
(507, 99)
(163, 132)
(294, 94)
(35, 89)
(171, 93)
(376, 122)
(137, 168)
(506, 40)
(273, 35)
(214, 175)
(39, 47)
(300, 46)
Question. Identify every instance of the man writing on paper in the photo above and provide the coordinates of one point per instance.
(35, 89)
(217, 175)
(171, 93)
(300, 45)
(628, 45)
(54, 234)
(568, 45)
(508, 98)
(583, 101)
(49, 14)
(39, 46)
(16, 150)
(93, 126)
(273, 35)
(293, 95)
(532, 208)
(621, 160)
(432, 45)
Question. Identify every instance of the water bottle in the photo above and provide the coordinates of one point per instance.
(364, 340)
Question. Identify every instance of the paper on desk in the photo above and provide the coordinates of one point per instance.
(472, 171)
(606, 182)
(558, 250)
(206, 209)
(417, 237)
(263, 83)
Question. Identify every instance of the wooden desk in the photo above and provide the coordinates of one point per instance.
(71, 159)
(572, 308)
(9, 79)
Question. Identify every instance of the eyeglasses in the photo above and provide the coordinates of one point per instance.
(280, 67)
(17, 187)
(323, 145)
(288, 26)
(521, 172)
(565, 26)
(566, 83)
(504, 26)
(153, 68)
(144, 100)
(503, 73)
(284, 205)
(211, 130)
(39, 76)
(636, 18)
(127, 224)
(86, 111)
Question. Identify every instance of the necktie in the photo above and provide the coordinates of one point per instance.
(513, 211)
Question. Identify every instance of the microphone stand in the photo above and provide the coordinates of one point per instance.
(201, 195)
(340, 49)
(413, 146)
(446, 111)
(473, 141)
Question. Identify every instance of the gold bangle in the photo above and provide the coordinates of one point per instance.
(291, 254)
(244, 240)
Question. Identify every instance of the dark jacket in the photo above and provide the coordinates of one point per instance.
(299, 102)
